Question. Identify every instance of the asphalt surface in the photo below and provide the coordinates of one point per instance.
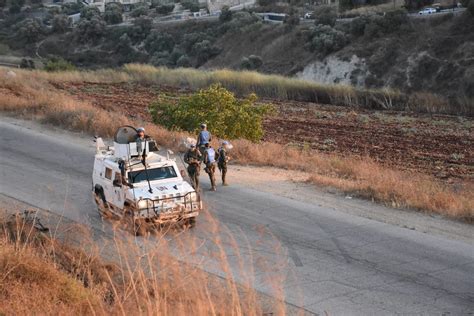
(327, 259)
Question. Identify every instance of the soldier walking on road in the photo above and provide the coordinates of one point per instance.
(193, 159)
(210, 162)
(204, 138)
(222, 160)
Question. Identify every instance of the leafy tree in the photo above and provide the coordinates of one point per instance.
(226, 14)
(125, 49)
(71, 7)
(14, 6)
(141, 29)
(292, 19)
(30, 30)
(325, 39)
(251, 63)
(165, 9)
(325, 15)
(159, 42)
(204, 51)
(59, 64)
(90, 30)
(345, 5)
(225, 115)
(140, 10)
(60, 23)
(113, 13)
(191, 5)
(161, 59)
(184, 61)
(88, 13)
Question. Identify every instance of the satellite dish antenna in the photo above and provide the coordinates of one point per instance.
(125, 135)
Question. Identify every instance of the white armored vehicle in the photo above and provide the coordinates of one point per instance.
(141, 187)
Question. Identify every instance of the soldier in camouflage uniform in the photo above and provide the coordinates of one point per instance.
(222, 160)
(210, 156)
(193, 159)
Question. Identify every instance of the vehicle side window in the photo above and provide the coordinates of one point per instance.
(108, 173)
(118, 177)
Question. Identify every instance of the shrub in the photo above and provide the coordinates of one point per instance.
(161, 59)
(226, 14)
(204, 51)
(226, 116)
(113, 13)
(393, 21)
(325, 15)
(165, 9)
(71, 7)
(141, 29)
(30, 30)
(90, 30)
(139, 10)
(184, 61)
(60, 23)
(59, 64)
(325, 39)
(357, 25)
(14, 6)
(90, 12)
(27, 63)
(159, 42)
(251, 63)
(193, 6)
(240, 22)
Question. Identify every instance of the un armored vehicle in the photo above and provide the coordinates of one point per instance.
(141, 188)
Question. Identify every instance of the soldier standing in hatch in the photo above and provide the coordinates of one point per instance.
(193, 159)
(204, 138)
(210, 162)
(222, 160)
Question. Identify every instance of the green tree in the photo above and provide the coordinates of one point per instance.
(140, 10)
(191, 5)
(60, 23)
(325, 15)
(225, 115)
(165, 9)
(159, 42)
(251, 63)
(113, 13)
(226, 14)
(30, 30)
(90, 30)
(88, 13)
(141, 29)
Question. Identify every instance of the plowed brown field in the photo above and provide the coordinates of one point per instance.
(434, 144)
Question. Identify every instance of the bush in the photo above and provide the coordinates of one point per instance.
(193, 6)
(60, 23)
(89, 13)
(30, 30)
(204, 51)
(390, 23)
(59, 65)
(240, 21)
(159, 42)
(251, 63)
(71, 8)
(184, 61)
(325, 39)
(141, 29)
(90, 30)
(325, 15)
(14, 6)
(165, 9)
(226, 14)
(225, 115)
(139, 10)
(113, 13)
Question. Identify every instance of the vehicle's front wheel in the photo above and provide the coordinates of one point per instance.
(102, 206)
(132, 224)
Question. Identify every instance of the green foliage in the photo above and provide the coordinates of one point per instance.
(113, 13)
(325, 15)
(240, 22)
(183, 61)
(30, 30)
(226, 14)
(393, 21)
(27, 63)
(14, 6)
(204, 51)
(470, 7)
(59, 64)
(159, 42)
(345, 5)
(71, 7)
(251, 63)
(140, 10)
(141, 29)
(325, 39)
(90, 30)
(60, 23)
(88, 13)
(191, 5)
(165, 9)
(226, 116)
(124, 49)
(292, 19)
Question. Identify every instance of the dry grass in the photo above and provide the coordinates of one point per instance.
(266, 86)
(31, 95)
(42, 275)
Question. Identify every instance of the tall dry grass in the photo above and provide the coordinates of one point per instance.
(31, 95)
(46, 274)
(266, 86)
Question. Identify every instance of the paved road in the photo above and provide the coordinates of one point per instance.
(331, 261)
